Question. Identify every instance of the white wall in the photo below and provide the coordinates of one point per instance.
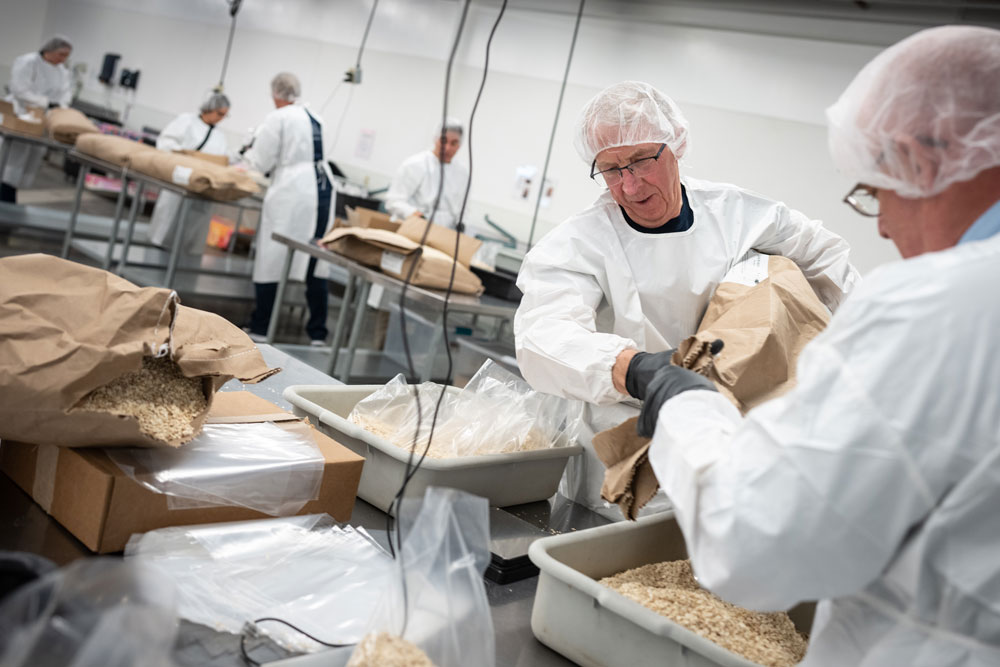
(21, 25)
(755, 102)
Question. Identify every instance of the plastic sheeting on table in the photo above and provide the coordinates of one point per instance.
(259, 466)
(96, 612)
(324, 578)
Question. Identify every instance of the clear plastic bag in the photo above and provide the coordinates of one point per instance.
(437, 600)
(259, 466)
(322, 577)
(98, 612)
(497, 412)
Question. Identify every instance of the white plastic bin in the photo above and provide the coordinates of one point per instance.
(504, 479)
(595, 626)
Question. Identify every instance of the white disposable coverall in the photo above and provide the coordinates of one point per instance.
(415, 186)
(283, 143)
(186, 132)
(873, 485)
(594, 286)
(36, 83)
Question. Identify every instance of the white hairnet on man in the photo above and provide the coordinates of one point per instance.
(874, 484)
(415, 186)
(611, 291)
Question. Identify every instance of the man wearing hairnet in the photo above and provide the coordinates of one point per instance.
(195, 132)
(38, 79)
(612, 290)
(414, 188)
(874, 484)
(288, 144)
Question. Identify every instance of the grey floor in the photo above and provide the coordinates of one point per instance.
(53, 189)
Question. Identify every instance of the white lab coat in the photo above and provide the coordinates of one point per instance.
(283, 145)
(594, 286)
(873, 485)
(186, 132)
(36, 83)
(415, 187)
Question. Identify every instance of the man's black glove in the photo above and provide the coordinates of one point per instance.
(642, 368)
(667, 382)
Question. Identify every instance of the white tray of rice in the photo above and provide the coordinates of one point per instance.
(505, 479)
(622, 595)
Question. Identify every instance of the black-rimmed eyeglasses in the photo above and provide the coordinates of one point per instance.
(614, 175)
(863, 199)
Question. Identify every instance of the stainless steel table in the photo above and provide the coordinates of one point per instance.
(359, 282)
(24, 526)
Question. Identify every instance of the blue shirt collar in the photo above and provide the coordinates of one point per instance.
(986, 226)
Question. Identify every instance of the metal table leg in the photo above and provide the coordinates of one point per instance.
(5, 144)
(236, 231)
(436, 335)
(175, 251)
(116, 224)
(359, 317)
(272, 325)
(338, 332)
(132, 215)
(71, 225)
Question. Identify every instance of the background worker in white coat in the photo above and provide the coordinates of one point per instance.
(194, 132)
(38, 79)
(874, 484)
(415, 185)
(289, 145)
(633, 273)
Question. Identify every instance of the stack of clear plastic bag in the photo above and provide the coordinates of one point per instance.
(437, 600)
(322, 577)
(496, 413)
(259, 466)
(99, 612)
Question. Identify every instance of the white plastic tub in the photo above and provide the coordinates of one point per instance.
(595, 626)
(504, 479)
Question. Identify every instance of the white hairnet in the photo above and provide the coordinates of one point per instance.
(451, 124)
(925, 113)
(286, 86)
(214, 102)
(627, 114)
(55, 43)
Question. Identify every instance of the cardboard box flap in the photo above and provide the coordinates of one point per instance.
(242, 407)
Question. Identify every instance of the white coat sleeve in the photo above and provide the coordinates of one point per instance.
(263, 154)
(558, 348)
(819, 253)
(402, 189)
(22, 84)
(66, 90)
(811, 494)
(171, 138)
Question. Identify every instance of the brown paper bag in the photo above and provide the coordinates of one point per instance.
(629, 480)
(220, 160)
(765, 312)
(366, 217)
(196, 175)
(68, 329)
(66, 125)
(116, 150)
(394, 254)
(9, 119)
(440, 238)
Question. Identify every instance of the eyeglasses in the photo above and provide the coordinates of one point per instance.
(614, 175)
(863, 199)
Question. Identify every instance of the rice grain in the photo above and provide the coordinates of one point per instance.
(385, 650)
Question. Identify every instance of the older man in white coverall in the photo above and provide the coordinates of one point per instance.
(38, 79)
(874, 485)
(633, 274)
(414, 188)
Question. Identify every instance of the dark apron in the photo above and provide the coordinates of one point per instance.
(324, 189)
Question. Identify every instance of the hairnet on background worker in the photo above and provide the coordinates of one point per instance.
(38, 79)
(196, 132)
(634, 272)
(288, 144)
(415, 186)
(874, 484)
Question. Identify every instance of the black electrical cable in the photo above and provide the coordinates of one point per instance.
(555, 123)
(254, 663)
(365, 37)
(234, 8)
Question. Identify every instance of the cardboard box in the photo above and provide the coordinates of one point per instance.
(370, 219)
(89, 495)
(394, 254)
(10, 120)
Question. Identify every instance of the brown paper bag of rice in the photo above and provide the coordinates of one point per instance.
(75, 340)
